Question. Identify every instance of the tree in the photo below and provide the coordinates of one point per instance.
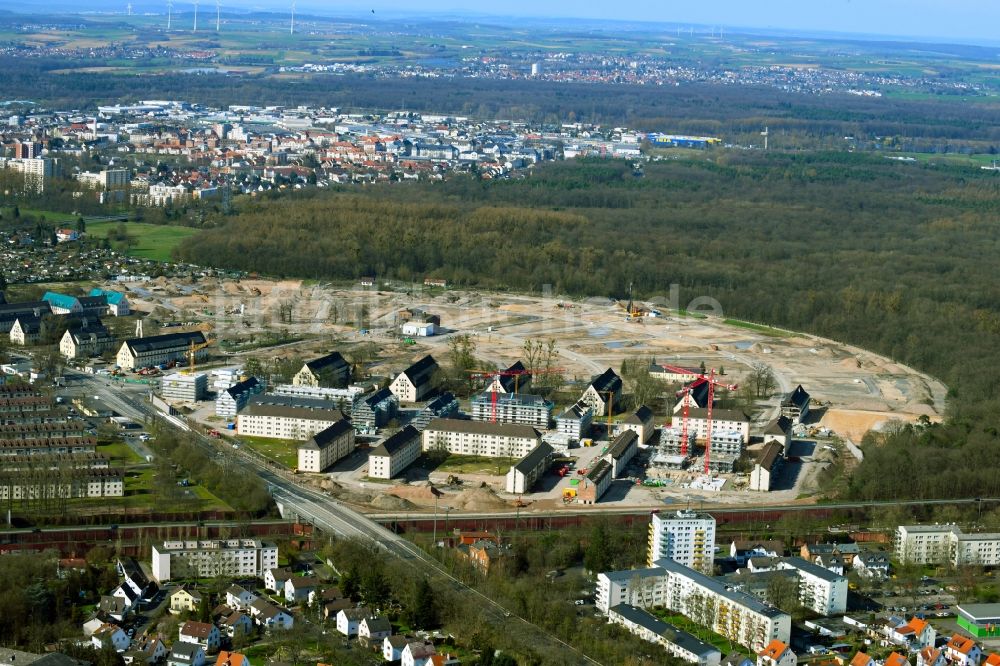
(762, 379)
(422, 611)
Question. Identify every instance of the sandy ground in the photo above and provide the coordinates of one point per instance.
(853, 390)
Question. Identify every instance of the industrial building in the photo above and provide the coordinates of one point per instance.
(183, 387)
(595, 483)
(213, 557)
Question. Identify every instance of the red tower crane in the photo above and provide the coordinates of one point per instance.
(683, 393)
(516, 374)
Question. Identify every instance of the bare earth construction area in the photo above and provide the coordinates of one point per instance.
(852, 390)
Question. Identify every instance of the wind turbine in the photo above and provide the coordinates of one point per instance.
(291, 30)
(195, 16)
(765, 134)
(218, 14)
(170, 7)
(128, 9)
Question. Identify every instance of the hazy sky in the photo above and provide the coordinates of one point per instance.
(964, 19)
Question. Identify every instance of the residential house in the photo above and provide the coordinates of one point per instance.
(418, 654)
(414, 383)
(931, 656)
(201, 633)
(394, 454)
(603, 392)
(186, 654)
(239, 598)
(114, 607)
(915, 634)
(146, 651)
(871, 565)
(776, 653)
(392, 647)
(896, 659)
(483, 553)
(110, 636)
(328, 371)
(227, 658)
(349, 620)
(862, 659)
(183, 600)
(962, 651)
(298, 588)
(274, 579)
(373, 630)
(741, 551)
(236, 623)
(269, 616)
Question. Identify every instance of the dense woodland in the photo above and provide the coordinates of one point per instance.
(735, 113)
(894, 257)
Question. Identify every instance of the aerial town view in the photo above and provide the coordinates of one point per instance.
(540, 335)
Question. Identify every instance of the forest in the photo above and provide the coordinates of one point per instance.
(736, 113)
(894, 257)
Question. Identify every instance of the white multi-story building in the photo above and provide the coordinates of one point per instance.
(340, 397)
(213, 557)
(282, 417)
(157, 349)
(677, 643)
(524, 408)
(326, 447)
(941, 544)
(820, 590)
(234, 398)
(525, 472)
(685, 537)
(394, 454)
(723, 421)
(575, 422)
(184, 387)
(476, 438)
(736, 615)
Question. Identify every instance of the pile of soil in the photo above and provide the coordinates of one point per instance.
(477, 499)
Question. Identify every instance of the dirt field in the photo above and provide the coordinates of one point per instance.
(852, 390)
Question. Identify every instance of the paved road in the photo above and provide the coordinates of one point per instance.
(333, 517)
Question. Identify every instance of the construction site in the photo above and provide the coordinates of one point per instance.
(851, 390)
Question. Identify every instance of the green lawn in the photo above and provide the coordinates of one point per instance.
(120, 453)
(723, 644)
(759, 328)
(471, 465)
(283, 451)
(152, 241)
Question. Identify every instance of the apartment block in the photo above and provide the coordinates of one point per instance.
(685, 537)
(213, 557)
(476, 438)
